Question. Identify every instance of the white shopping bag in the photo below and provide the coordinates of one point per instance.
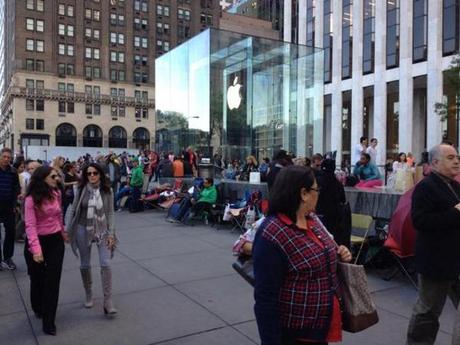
(254, 177)
(227, 216)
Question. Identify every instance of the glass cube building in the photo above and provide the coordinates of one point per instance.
(235, 95)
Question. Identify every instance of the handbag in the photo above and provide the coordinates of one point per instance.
(358, 309)
(244, 266)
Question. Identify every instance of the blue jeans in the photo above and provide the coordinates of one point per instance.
(105, 255)
(120, 194)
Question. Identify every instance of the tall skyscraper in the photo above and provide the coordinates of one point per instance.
(81, 73)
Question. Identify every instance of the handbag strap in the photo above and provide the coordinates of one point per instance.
(362, 245)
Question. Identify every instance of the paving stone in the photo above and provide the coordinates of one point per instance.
(223, 336)
(15, 329)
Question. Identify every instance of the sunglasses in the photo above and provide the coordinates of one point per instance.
(92, 173)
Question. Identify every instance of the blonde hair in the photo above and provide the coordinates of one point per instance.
(253, 159)
(55, 163)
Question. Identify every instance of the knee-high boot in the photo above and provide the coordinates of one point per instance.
(87, 284)
(106, 275)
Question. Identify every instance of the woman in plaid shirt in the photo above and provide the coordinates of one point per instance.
(295, 262)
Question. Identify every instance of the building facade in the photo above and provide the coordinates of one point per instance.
(384, 70)
(81, 73)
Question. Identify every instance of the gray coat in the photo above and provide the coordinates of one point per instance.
(73, 215)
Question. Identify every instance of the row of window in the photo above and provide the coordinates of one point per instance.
(35, 5)
(35, 124)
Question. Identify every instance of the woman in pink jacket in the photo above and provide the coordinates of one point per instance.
(44, 248)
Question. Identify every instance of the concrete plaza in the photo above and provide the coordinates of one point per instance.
(174, 284)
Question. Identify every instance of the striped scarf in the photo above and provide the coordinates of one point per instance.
(96, 225)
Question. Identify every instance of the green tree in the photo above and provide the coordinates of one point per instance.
(452, 82)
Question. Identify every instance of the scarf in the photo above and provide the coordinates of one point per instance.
(96, 225)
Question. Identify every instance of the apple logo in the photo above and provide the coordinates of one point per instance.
(233, 95)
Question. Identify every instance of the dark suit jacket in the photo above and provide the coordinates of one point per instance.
(437, 223)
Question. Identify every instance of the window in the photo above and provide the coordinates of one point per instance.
(97, 109)
(61, 29)
(61, 87)
(88, 109)
(30, 124)
(88, 53)
(40, 25)
(30, 4)
(88, 72)
(369, 36)
(30, 25)
(327, 41)
(144, 60)
(113, 56)
(159, 28)
(145, 77)
(96, 91)
(30, 84)
(121, 39)
(70, 107)
(121, 76)
(144, 42)
(96, 53)
(144, 6)
(61, 49)
(347, 38)
(137, 77)
(61, 69)
(392, 33)
(40, 84)
(450, 27)
(70, 69)
(70, 10)
(88, 13)
(88, 32)
(121, 20)
(96, 72)
(40, 5)
(40, 65)
(114, 111)
(40, 105)
(159, 9)
(30, 64)
(113, 19)
(137, 5)
(70, 51)
(40, 124)
(166, 11)
(96, 34)
(121, 111)
(419, 30)
(144, 24)
(40, 46)
(88, 90)
(137, 41)
(62, 106)
(30, 44)
(96, 15)
(121, 57)
(113, 74)
(61, 9)
(70, 30)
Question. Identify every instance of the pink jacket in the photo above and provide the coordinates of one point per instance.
(43, 220)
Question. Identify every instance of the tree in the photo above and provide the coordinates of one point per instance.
(452, 81)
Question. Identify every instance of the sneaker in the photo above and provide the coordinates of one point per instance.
(9, 264)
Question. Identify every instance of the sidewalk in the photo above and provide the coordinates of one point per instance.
(174, 285)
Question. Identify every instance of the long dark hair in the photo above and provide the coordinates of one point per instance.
(285, 193)
(104, 181)
(38, 189)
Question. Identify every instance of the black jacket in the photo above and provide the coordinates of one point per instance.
(437, 223)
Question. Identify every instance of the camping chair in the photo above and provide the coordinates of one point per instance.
(238, 218)
(361, 225)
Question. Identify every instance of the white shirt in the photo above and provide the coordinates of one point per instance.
(373, 153)
(355, 157)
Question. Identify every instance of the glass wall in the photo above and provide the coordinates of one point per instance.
(452, 98)
(310, 23)
(368, 111)
(232, 94)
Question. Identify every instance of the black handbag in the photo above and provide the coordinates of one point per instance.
(244, 266)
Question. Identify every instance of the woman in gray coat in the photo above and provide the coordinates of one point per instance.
(90, 220)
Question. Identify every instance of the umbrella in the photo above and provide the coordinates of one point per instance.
(401, 231)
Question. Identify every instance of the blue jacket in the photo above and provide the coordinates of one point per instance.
(9, 188)
(367, 172)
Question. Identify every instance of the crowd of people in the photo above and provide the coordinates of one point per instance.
(295, 248)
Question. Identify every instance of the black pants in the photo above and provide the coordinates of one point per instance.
(135, 204)
(7, 217)
(201, 207)
(45, 277)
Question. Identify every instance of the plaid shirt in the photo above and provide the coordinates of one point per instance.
(306, 283)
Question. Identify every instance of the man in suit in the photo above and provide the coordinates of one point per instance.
(436, 217)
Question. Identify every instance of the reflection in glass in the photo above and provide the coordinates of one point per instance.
(235, 95)
(392, 33)
(420, 30)
(392, 119)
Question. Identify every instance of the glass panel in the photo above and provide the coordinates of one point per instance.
(234, 95)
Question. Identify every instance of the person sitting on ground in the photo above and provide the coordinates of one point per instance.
(367, 172)
(250, 166)
(207, 197)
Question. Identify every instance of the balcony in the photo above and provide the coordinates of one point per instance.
(76, 97)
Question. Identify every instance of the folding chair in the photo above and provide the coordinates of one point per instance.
(238, 218)
(402, 262)
(361, 225)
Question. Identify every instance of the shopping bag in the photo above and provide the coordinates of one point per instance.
(358, 309)
(227, 216)
(254, 177)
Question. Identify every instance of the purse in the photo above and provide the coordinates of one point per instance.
(358, 309)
